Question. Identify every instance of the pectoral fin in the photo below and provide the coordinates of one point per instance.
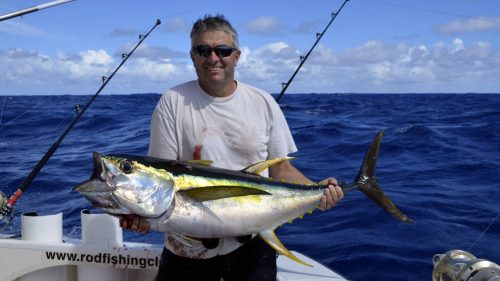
(219, 192)
(270, 237)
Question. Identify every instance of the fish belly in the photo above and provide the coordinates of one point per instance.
(234, 216)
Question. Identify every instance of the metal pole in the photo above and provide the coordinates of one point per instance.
(7, 204)
(304, 58)
(33, 9)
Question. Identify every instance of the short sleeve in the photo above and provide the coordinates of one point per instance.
(281, 142)
(163, 141)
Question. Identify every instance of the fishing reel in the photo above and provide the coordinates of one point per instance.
(458, 265)
(5, 208)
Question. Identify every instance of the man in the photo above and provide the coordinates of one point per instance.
(235, 125)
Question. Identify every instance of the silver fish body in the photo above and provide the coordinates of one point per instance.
(231, 217)
(195, 200)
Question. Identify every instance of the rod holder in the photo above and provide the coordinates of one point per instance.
(47, 229)
(100, 230)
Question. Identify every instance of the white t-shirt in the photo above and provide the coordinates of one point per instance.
(234, 132)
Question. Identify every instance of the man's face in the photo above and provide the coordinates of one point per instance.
(215, 70)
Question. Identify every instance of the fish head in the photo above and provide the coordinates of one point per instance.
(125, 185)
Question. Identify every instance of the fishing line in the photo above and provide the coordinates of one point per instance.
(389, 20)
(492, 222)
(303, 59)
(1, 112)
(6, 209)
(484, 231)
(20, 115)
(10, 67)
(427, 10)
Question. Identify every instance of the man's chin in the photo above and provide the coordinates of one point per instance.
(215, 79)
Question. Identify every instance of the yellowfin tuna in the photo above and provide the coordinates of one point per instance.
(195, 200)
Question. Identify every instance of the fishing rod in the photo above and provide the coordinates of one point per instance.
(6, 205)
(33, 9)
(303, 59)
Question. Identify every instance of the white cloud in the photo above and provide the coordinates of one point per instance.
(380, 67)
(310, 26)
(469, 25)
(97, 58)
(375, 66)
(84, 64)
(80, 73)
(151, 52)
(266, 63)
(263, 25)
(152, 69)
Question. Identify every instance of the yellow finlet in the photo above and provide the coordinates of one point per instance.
(201, 162)
(270, 237)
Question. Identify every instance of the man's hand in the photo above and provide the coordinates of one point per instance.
(333, 194)
(135, 223)
(287, 172)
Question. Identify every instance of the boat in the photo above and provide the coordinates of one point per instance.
(41, 253)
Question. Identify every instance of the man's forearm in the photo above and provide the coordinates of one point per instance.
(287, 172)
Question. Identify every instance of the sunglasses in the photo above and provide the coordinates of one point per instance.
(220, 51)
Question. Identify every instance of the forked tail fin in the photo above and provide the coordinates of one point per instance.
(367, 183)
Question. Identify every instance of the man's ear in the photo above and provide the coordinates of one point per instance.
(191, 55)
(237, 57)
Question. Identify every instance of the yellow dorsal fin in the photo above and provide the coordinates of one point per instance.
(257, 168)
(201, 162)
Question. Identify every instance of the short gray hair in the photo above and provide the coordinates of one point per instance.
(217, 22)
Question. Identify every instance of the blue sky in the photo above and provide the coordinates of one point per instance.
(386, 46)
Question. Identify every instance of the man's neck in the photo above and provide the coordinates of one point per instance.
(219, 90)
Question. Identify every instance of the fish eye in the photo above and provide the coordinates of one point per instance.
(126, 166)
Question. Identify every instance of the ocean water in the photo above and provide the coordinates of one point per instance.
(439, 162)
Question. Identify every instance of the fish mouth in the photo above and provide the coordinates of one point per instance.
(99, 167)
(98, 191)
(97, 181)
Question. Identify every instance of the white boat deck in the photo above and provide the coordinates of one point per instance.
(44, 255)
(289, 270)
(134, 261)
